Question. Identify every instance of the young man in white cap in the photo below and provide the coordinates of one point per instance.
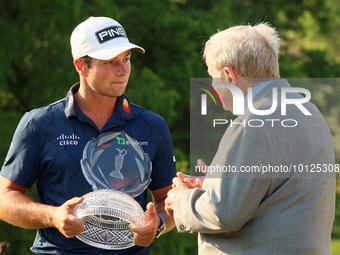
(48, 145)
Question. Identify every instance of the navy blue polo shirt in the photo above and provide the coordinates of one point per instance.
(47, 148)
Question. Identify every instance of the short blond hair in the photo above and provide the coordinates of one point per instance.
(252, 51)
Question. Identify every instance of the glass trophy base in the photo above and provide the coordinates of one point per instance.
(107, 215)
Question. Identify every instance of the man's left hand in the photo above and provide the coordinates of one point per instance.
(143, 236)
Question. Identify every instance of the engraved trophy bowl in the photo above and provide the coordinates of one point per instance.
(117, 168)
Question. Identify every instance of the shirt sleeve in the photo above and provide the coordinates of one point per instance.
(164, 163)
(22, 161)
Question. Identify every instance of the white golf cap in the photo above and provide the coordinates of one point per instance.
(101, 38)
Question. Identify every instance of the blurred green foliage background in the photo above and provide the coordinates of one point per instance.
(36, 66)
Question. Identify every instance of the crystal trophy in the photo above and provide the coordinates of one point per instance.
(118, 170)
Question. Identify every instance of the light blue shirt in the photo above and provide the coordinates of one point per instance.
(257, 89)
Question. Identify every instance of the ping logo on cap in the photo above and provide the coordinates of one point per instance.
(110, 33)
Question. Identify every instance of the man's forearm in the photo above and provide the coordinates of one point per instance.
(18, 209)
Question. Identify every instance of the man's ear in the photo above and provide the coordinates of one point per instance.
(231, 75)
(80, 67)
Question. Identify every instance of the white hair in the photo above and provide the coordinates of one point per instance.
(250, 50)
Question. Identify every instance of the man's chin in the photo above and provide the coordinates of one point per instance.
(117, 93)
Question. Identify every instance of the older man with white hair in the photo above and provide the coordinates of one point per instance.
(249, 212)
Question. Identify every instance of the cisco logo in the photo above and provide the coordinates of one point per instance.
(68, 140)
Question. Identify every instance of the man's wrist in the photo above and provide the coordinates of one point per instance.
(162, 226)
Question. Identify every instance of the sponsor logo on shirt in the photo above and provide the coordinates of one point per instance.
(123, 141)
(126, 106)
(68, 139)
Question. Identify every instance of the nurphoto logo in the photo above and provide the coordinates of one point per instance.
(239, 104)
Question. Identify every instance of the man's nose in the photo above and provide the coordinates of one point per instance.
(122, 69)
